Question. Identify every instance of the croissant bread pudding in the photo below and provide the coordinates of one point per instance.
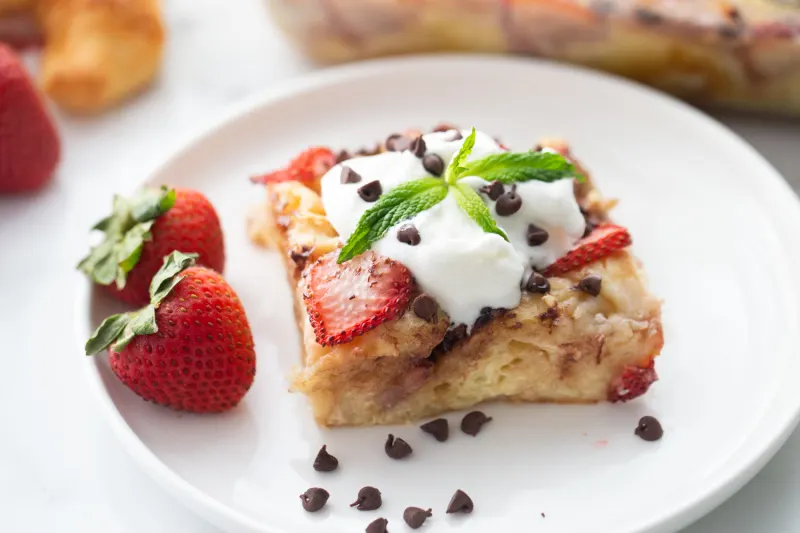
(443, 270)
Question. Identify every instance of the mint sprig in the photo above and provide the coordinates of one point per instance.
(414, 197)
(519, 167)
(401, 203)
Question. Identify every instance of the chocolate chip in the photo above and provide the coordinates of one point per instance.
(647, 16)
(536, 236)
(439, 428)
(314, 499)
(433, 164)
(415, 517)
(378, 526)
(472, 422)
(591, 284)
(537, 148)
(343, 155)
(397, 143)
(369, 499)
(408, 234)
(649, 429)
(537, 283)
(460, 503)
(371, 191)
(396, 448)
(426, 308)
(300, 257)
(325, 462)
(485, 316)
(349, 175)
(494, 190)
(418, 147)
(509, 203)
(550, 314)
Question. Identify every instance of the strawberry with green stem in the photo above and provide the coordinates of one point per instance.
(190, 348)
(142, 230)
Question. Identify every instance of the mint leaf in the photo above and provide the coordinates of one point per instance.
(455, 169)
(473, 205)
(401, 203)
(517, 167)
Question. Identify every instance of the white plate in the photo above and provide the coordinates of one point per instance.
(713, 222)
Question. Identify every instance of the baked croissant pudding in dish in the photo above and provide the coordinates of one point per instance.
(442, 270)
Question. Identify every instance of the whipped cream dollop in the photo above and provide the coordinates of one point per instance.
(464, 268)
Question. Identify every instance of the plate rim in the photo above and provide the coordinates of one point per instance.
(217, 512)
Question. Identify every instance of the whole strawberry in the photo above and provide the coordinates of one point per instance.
(29, 145)
(190, 349)
(142, 230)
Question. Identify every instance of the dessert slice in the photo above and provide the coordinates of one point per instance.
(444, 271)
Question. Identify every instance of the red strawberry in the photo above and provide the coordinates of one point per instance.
(190, 349)
(142, 230)
(346, 300)
(632, 383)
(307, 168)
(605, 239)
(29, 143)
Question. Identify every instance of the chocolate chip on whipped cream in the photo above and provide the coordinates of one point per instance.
(508, 203)
(314, 499)
(408, 234)
(371, 191)
(536, 236)
(494, 190)
(537, 283)
(434, 164)
(397, 142)
(349, 175)
(396, 448)
(418, 147)
(369, 499)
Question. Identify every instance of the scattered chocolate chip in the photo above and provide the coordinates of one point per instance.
(509, 203)
(460, 503)
(314, 499)
(439, 428)
(396, 448)
(454, 135)
(649, 429)
(494, 190)
(537, 148)
(451, 338)
(300, 257)
(343, 155)
(415, 517)
(425, 307)
(397, 143)
(408, 234)
(433, 164)
(369, 499)
(537, 283)
(591, 284)
(472, 422)
(325, 462)
(542, 515)
(371, 191)
(485, 316)
(536, 236)
(378, 526)
(647, 16)
(349, 175)
(550, 314)
(418, 147)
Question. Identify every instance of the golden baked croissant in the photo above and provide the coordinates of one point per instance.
(98, 51)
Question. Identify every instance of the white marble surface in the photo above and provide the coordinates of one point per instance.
(61, 469)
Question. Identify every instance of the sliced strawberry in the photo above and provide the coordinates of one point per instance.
(306, 168)
(632, 383)
(605, 239)
(346, 300)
